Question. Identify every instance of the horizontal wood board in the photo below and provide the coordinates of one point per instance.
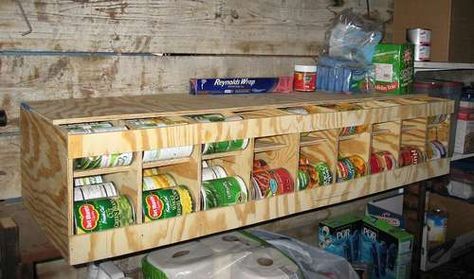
(84, 248)
(185, 26)
(82, 110)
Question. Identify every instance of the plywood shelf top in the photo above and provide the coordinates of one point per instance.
(94, 109)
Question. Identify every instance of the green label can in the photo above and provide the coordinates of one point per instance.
(102, 214)
(224, 191)
(161, 204)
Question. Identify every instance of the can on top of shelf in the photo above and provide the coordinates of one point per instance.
(93, 127)
(102, 214)
(304, 79)
(225, 146)
(103, 161)
(95, 191)
(419, 36)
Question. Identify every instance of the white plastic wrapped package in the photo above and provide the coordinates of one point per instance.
(313, 262)
(231, 255)
(245, 255)
(352, 37)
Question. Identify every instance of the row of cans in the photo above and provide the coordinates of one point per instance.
(270, 182)
(382, 161)
(411, 155)
(436, 150)
(313, 174)
(350, 167)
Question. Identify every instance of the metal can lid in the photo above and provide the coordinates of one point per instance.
(306, 68)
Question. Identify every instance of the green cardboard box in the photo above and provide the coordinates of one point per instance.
(394, 68)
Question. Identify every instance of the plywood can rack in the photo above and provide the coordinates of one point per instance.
(275, 135)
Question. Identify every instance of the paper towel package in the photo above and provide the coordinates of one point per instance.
(232, 255)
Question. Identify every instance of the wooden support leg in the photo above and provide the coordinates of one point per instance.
(9, 248)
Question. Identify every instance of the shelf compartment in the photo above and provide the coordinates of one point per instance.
(101, 245)
(414, 133)
(386, 137)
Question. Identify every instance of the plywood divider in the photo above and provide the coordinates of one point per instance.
(414, 133)
(386, 136)
(286, 157)
(324, 151)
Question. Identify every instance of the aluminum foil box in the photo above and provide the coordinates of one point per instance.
(283, 84)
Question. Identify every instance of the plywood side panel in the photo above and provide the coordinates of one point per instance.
(9, 167)
(44, 184)
(184, 26)
(34, 78)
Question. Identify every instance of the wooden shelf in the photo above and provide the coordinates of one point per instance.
(263, 146)
(134, 238)
(83, 173)
(47, 175)
(309, 141)
(156, 164)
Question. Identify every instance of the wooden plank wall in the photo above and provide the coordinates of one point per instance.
(90, 48)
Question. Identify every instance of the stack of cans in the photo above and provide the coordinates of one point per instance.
(421, 38)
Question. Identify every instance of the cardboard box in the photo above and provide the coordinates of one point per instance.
(386, 248)
(388, 209)
(464, 142)
(459, 233)
(340, 236)
(394, 68)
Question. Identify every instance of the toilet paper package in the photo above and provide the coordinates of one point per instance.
(231, 255)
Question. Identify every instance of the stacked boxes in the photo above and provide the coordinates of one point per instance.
(340, 236)
(386, 249)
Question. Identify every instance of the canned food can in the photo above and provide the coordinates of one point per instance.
(103, 161)
(206, 118)
(302, 179)
(155, 122)
(376, 164)
(260, 165)
(150, 172)
(284, 180)
(359, 165)
(95, 191)
(214, 172)
(161, 204)
(225, 146)
(186, 199)
(422, 53)
(102, 214)
(266, 183)
(324, 173)
(88, 180)
(224, 191)
(419, 36)
(158, 181)
(167, 153)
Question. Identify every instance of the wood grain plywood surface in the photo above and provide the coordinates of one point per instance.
(141, 26)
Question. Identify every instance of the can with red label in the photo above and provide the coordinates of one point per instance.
(305, 78)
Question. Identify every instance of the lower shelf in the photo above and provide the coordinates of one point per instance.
(111, 243)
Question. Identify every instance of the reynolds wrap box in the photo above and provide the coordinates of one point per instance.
(340, 236)
(282, 84)
(386, 248)
(393, 68)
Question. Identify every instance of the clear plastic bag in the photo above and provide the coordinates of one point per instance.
(352, 37)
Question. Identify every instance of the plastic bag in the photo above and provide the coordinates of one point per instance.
(352, 37)
(312, 261)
